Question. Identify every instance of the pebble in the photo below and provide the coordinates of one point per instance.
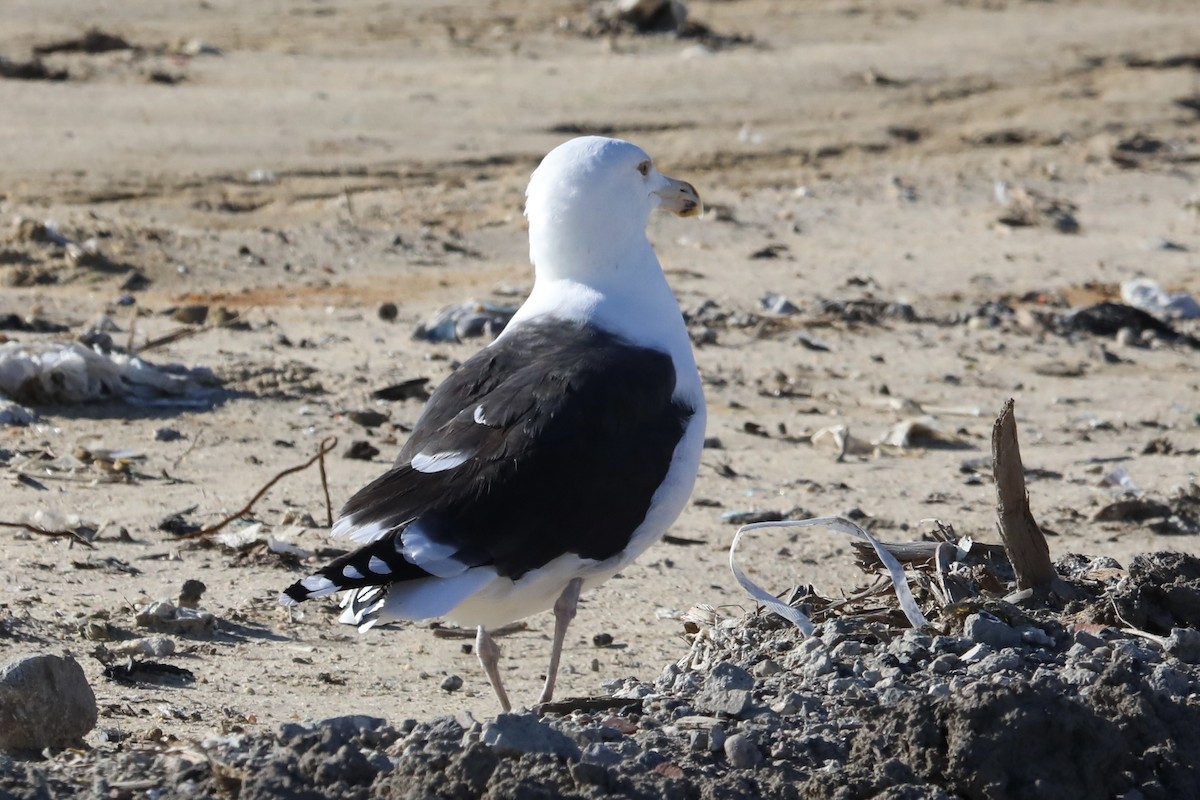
(452, 683)
(766, 668)
(167, 435)
(1184, 644)
(946, 662)
(742, 752)
(45, 701)
(987, 629)
(360, 450)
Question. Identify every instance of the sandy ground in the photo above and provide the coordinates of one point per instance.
(336, 155)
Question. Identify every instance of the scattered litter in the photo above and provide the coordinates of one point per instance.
(70, 373)
(1149, 296)
(165, 617)
(467, 320)
(133, 671)
(750, 517)
(13, 322)
(31, 70)
(158, 646)
(840, 439)
(778, 304)
(1109, 319)
(838, 525)
(1030, 208)
(924, 431)
(813, 343)
(92, 42)
(1121, 480)
(411, 389)
(1137, 509)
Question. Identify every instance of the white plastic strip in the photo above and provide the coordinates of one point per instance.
(839, 525)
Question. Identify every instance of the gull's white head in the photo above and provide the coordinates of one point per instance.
(588, 203)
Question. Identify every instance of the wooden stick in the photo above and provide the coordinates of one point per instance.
(72, 535)
(327, 444)
(325, 485)
(1023, 539)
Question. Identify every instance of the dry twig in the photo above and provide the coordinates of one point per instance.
(72, 535)
(327, 444)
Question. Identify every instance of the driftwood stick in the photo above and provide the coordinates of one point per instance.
(327, 444)
(1023, 539)
(65, 534)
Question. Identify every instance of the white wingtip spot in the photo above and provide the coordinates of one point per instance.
(478, 415)
(317, 585)
(378, 566)
(439, 462)
(350, 572)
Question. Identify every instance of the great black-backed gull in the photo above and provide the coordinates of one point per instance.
(560, 452)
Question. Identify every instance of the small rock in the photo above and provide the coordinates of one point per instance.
(518, 734)
(361, 450)
(1184, 644)
(367, 419)
(602, 640)
(388, 312)
(1088, 640)
(742, 752)
(452, 683)
(45, 701)
(588, 774)
(947, 662)
(167, 435)
(766, 668)
(190, 593)
(191, 314)
(726, 690)
(976, 653)
(986, 629)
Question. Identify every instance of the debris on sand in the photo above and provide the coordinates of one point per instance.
(1110, 319)
(1029, 208)
(32, 70)
(609, 17)
(163, 616)
(92, 42)
(69, 373)
(1148, 295)
(641, 16)
(469, 320)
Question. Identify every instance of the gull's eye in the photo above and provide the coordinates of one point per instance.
(644, 168)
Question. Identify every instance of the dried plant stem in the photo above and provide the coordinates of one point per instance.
(72, 535)
(327, 444)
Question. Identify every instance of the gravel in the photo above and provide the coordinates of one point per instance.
(1058, 703)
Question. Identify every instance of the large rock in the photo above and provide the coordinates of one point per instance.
(518, 734)
(45, 701)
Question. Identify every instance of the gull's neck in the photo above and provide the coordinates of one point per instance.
(619, 288)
